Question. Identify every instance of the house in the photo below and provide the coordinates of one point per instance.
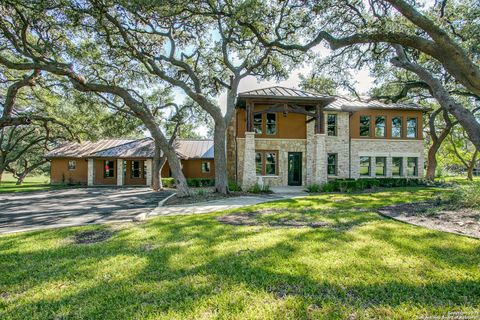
(281, 136)
(125, 162)
(278, 136)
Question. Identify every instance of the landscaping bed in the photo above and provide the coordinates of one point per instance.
(430, 214)
(203, 195)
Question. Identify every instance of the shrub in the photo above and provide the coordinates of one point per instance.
(168, 182)
(200, 182)
(313, 188)
(351, 185)
(465, 196)
(260, 189)
(202, 192)
(233, 186)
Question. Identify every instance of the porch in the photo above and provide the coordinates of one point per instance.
(119, 172)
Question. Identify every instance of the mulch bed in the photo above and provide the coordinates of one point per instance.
(92, 236)
(248, 219)
(430, 214)
(208, 196)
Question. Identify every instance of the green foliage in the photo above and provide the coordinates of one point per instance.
(168, 182)
(201, 192)
(313, 188)
(233, 186)
(351, 185)
(260, 189)
(200, 182)
(463, 196)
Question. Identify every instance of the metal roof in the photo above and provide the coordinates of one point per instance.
(349, 104)
(141, 148)
(284, 93)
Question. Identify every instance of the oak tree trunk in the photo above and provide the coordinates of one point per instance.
(219, 147)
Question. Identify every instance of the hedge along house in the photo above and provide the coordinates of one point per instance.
(125, 162)
(281, 136)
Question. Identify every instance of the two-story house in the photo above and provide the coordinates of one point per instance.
(281, 136)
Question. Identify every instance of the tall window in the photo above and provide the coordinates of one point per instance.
(397, 166)
(412, 166)
(365, 126)
(365, 167)
(266, 162)
(258, 163)
(380, 166)
(332, 124)
(135, 171)
(205, 166)
(109, 169)
(257, 123)
(271, 123)
(396, 127)
(380, 126)
(332, 164)
(72, 165)
(411, 127)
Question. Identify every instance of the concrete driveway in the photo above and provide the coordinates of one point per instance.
(73, 207)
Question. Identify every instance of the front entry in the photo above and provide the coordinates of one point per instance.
(294, 168)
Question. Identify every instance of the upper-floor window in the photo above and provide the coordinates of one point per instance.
(380, 126)
(257, 123)
(72, 165)
(411, 127)
(109, 169)
(365, 126)
(332, 164)
(365, 166)
(331, 124)
(205, 167)
(396, 127)
(135, 171)
(271, 123)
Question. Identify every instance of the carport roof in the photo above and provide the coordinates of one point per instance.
(141, 148)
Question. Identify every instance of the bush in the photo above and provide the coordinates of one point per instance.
(260, 189)
(351, 185)
(202, 192)
(200, 182)
(233, 186)
(313, 188)
(168, 182)
(465, 196)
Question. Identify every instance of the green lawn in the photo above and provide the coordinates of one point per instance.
(193, 267)
(30, 184)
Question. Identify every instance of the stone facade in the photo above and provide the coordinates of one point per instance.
(148, 173)
(90, 172)
(385, 148)
(120, 176)
(339, 144)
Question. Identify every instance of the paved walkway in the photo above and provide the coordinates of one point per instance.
(225, 204)
(74, 207)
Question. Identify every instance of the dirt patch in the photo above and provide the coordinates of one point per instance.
(92, 236)
(430, 214)
(202, 197)
(249, 218)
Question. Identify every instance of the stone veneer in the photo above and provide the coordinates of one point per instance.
(90, 172)
(148, 175)
(120, 176)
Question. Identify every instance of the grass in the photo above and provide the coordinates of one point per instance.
(35, 183)
(194, 267)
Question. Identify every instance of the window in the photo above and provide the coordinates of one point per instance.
(331, 124)
(271, 123)
(411, 127)
(72, 165)
(365, 126)
(109, 167)
(135, 171)
(266, 162)
(380, 166)
(257, 123)
(412, 166)
(332, 164)
(380, 126)
(365, 166)
(396, 127)
(258, 163)
(206, 166)
(397, 166)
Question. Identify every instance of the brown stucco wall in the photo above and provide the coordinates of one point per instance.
(134, 181)
(59, 172)
(99, 178)
(192, 168)
(292, 126)
(355, 123)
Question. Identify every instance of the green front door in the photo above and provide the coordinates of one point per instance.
(294, 168)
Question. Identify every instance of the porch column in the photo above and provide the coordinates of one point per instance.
(320, 174)
(120, 176)
(90, 172)
(249, 172)
(148, 164)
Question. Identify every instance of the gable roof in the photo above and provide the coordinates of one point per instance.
(283, 93)
(141, 148)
